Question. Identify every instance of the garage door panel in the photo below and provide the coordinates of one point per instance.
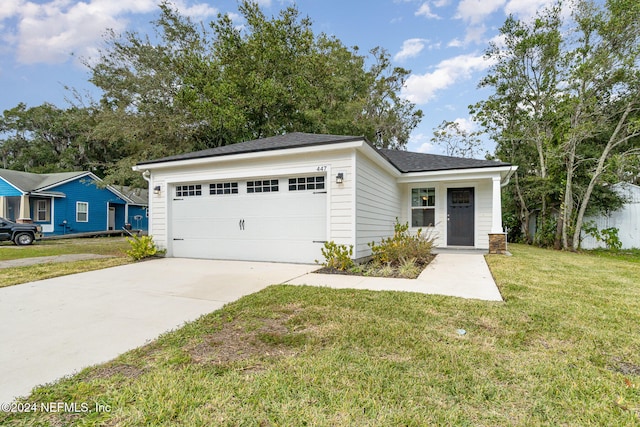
(287, 226)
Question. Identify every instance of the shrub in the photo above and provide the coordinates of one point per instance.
(403, 246)
(409, 269)
(607, 235)
(142, 247)
(337, 256)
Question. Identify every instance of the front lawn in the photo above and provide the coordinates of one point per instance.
(112, 246)
(563, 349)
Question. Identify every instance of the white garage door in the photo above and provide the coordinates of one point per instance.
(271, 219)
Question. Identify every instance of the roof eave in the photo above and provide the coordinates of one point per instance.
(457, 174)
(301, 149)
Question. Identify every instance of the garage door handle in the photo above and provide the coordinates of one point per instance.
(319, 192)
(178, 239)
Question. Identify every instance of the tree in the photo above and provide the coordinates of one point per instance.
(457, 141)
(565, 109)
(194, 86)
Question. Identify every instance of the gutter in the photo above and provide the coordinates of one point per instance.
(507, 178)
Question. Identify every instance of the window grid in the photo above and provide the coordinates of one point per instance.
(306, 183)
(42, 213)
(223, 188)
(423, 202)
(188, 190)
(82, 212)
(262, 186)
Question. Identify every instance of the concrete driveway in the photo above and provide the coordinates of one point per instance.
(54, 327)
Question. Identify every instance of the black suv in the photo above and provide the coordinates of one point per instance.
(20, 234)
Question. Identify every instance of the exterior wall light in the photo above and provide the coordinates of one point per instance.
(156, 189)
(339, 178)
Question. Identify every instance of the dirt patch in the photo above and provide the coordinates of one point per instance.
(625, 368)
(127, 371)
(237, 341)
(369, 270)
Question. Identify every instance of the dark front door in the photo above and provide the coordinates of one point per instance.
(460, 227)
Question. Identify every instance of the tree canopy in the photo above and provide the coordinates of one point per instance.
(566, 108)
(191, 86)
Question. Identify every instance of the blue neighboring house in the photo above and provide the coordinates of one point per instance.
(70, 202)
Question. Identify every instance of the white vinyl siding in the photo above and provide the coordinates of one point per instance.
(339, 196)
(377, 205)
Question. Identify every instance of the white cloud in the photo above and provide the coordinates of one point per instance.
(50, 32)
(441, 3)
(410, 49)
(422, 88)
(455, 43)
(526, 9)
(197, 11)
(475, 11)
(466, 124)
(420, 142)
(425, 10)
(10, 8)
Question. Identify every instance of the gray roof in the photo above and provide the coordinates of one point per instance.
(26, 181)
(280, 142)
(407, 161)
(404, 161)
(138, 196)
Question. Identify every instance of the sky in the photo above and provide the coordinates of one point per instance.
(44, 43)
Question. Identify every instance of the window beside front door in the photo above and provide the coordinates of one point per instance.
(82, 212)
(43, 207)
(423, 211)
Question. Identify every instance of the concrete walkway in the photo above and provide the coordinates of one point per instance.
(464, 275)
(23, 262)
(55, 327)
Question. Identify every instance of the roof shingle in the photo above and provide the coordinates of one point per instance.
(404, 161)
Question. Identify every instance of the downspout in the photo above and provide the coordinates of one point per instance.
(507, 178)
(146, 175)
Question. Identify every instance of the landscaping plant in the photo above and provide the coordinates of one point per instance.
(142, 247)
(403, 246)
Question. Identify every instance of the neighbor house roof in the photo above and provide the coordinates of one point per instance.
(41, 183)
(28, 182)
(404, 161)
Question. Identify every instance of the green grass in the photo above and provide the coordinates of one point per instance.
(102, 245)
(563, 349)
(113, 246)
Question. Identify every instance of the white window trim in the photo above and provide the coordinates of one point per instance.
(434, 207)
(86, 212)
(39, 203)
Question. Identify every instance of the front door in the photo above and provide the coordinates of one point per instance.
(112, 218)
(460, 214)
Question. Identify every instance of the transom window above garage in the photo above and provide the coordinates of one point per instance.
(306, 183)
(223, 188)
(188, 190)
(262, 186)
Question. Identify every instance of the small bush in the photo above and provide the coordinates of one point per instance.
(409, 269)
(142, 247)
(337, 256)
(403, 246)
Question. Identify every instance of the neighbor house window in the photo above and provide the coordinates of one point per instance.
(188, 190)
(223, 188)
(306, 183)
(82, 212)
(263, 186)
(423, 202)
(42, 210)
